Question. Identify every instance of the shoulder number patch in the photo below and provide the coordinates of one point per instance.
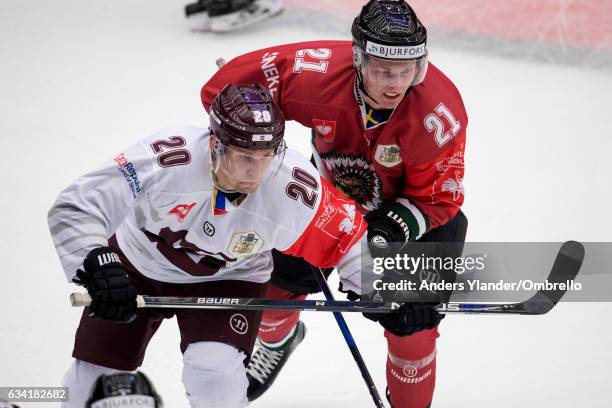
(434, 123)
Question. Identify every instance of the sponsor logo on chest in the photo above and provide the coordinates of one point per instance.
(181, 211)
(209, 229)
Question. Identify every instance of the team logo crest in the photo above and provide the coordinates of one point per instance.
(388, 155)
(181, 211)
(245, 243)
(325, 129)
(355, 177)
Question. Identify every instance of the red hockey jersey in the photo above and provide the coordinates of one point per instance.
(415, 158)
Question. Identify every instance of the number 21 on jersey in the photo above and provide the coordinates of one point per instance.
(312, 59)
(433, 123)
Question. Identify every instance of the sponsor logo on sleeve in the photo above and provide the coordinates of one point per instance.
(127, 169)
(452, 162)
(452, 185)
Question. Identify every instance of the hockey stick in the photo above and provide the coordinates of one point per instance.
(563, 272)
(350, 340)
(83, 299)
(565, 268)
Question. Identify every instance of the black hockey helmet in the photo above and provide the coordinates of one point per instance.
(389, 29)
(246, 116)
(125, 390)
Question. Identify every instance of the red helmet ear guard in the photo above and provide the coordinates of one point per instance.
(246, 116)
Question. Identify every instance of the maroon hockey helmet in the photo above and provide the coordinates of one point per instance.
(246, 116)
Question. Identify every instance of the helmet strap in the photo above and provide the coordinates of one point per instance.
(361, 85)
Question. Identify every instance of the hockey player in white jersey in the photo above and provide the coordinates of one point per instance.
(195, 212)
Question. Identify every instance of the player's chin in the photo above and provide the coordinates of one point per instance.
(390, 100)
(246, 188)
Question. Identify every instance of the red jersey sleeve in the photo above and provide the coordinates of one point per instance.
(290, 72)
(334, 229)
(267, 67)
(433, 189)
(436, 188)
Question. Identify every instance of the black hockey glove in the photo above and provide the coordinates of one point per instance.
(113, 296)
(388, 230)
(409, 318)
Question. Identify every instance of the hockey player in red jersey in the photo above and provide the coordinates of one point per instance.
(195, 212)
(388, 129)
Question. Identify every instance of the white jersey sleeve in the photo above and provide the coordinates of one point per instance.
(88, 212)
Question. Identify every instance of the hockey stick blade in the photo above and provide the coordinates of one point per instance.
(564, 270)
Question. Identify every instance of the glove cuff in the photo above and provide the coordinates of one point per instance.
(101, 258)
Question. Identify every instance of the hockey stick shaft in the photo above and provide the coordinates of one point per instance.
(350, 340)
(83, 299)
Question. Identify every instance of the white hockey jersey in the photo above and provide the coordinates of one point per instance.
(158, 198)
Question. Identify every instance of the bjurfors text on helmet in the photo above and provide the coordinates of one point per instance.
(395, 52)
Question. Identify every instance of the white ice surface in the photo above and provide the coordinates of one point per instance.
(80, 80)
